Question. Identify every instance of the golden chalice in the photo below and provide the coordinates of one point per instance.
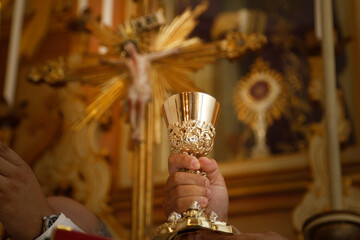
(191, 118)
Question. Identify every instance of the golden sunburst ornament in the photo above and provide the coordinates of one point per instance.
(260, 98)
(162, 60)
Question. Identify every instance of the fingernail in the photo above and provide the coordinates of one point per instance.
(195, 163)
(208, 194)
(207, 183)
(203, 202)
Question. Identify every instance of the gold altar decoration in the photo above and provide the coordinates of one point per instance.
(317, 198)
(193, 219)
(171, 73)
(77, 166)
(191, 118)
(192, 137)
(260, 98)
(58, 72)
(237, 44)
(38, 19)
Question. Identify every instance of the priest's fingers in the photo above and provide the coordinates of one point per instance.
(180, 205)
(184, 178)
(208, 165)
(9, 155)
(182, 160)
(3, 181)
(212, 169)
(6, 168)
(182, 191)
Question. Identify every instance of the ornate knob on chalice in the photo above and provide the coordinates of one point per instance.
(191, 118)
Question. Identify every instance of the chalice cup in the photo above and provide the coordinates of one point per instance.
(191, 118)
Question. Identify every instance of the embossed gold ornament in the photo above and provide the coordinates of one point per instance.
(191, 118)
(194, 218)
(236, 44)
(193, 137)
(172, 73)
(260, 98)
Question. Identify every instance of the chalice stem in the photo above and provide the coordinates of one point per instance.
(260, 149)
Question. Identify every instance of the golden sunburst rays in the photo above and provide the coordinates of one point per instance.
(106, 35)
(113, 90)
(262, 91)
(58, 73)
(171, 73)
(165, 78)
(175, 34)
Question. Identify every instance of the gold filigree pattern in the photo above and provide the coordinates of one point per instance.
(236, 44)
(262, 90)
(192, 219)
(193, 137)
(260, 98)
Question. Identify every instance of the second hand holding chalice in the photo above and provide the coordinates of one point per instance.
(191, 118)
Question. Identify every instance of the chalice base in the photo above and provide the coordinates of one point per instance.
(193, 219)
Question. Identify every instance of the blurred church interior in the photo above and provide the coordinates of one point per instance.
(271, 142)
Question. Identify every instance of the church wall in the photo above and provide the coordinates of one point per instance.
(263, 192)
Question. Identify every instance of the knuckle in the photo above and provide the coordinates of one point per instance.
(10, 187)
(177, 177)
(178, 191)
(203, 201)
(179, 205)
(20, 175)
(205, 192)
(205, 182)
(172, 158)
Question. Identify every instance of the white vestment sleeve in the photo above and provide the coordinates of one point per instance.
(61, 221)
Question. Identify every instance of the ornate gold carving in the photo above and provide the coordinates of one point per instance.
(53, 72)
(193, 137)
(193, 218)
(318, 197)
(236, 44)
(198, 172)
(79, 168)
(145, 23)
(260, 98)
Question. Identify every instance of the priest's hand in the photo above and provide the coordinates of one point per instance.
(22, 202)
(182, 188)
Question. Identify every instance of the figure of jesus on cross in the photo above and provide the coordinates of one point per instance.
(139, 92)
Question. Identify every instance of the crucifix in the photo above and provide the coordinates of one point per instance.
(148, 59)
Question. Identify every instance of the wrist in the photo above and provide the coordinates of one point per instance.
(40, 222)
(48, 221)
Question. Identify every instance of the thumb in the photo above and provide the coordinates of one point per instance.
(211, 167)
